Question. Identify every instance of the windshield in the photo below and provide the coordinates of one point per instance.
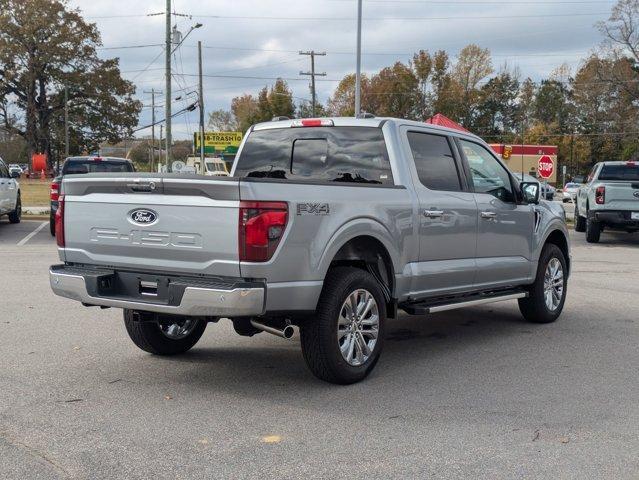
(627, 172)
(572, 185)
(75, 167)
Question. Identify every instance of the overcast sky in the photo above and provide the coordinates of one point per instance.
(536, 36)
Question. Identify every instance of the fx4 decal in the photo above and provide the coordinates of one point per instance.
(313, 209)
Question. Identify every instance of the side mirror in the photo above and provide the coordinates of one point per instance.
(530, 191)
(15, 174)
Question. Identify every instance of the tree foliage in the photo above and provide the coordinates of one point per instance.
(46, 46)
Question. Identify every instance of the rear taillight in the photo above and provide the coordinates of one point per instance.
(600, 195)
(55, 191)
(59, 222)
(260, 229)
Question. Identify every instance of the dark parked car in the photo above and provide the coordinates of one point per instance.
(79, 166)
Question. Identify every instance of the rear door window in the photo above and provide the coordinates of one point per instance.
(628, 172)
(434, 161)
(327, 154)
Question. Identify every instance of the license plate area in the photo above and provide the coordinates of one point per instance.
(634, 216)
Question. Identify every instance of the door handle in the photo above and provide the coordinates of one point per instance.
(488, 215)
(433, 213)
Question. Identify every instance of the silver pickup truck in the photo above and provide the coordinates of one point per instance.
(330, 225)
(608, 199)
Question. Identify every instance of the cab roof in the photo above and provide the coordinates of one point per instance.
(363, 122)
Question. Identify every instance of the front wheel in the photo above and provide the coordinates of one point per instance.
(343, 342)
(163, 336)
(547, 295)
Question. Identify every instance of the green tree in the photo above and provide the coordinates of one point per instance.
(395, 92)
(497, 109)
(46, 46)
(280, 100)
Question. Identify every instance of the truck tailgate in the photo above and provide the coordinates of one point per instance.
(168, 223)
(622, 195)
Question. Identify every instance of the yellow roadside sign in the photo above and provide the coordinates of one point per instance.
(220, 142)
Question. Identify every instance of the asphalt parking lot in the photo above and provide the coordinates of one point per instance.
(475, 393)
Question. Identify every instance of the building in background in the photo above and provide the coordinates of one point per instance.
(540, 161)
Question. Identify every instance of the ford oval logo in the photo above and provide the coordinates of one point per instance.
(143, 216)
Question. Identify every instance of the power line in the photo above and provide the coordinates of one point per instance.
(351, 19)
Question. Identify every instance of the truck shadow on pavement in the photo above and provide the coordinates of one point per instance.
(413, 345)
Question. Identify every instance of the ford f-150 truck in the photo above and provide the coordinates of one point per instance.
(330, 225)
(609, 199)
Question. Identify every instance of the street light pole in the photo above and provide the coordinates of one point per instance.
(167, 90)
(358, 68)
(201, 102)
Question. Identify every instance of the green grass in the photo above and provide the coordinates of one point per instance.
(35, 193)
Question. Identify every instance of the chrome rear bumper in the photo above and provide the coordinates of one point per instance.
(238, 300)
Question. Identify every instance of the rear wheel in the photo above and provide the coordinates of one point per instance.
(164, 336)
(593, 230)
(16, 215)
(580, 222)
(343, 342)
(52, 224)
(547, 295)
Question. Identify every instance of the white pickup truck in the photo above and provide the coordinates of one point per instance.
(608, 199)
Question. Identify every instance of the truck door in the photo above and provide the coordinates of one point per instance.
(505, 228)
(447, 220)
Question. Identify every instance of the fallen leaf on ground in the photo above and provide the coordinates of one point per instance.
(271, 439)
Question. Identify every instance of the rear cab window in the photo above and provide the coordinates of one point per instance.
(628, 172)
(319, 154)
(78, 166)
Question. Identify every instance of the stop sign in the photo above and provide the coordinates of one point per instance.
(546, 166)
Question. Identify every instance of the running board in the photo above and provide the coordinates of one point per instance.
(439, 305)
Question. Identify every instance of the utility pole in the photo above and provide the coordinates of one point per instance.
(167, 90)
(160, 152)
(312, 74)
(201, 102)
(153, 92)
(66, 128)
(358, 68)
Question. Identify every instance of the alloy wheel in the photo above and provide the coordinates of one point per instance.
(553, 284)
(358, 327)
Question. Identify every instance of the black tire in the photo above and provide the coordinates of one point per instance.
(320, 346)
(52, 224)
(148, 336)
(534, 308)
(593, 230)
(580, 222)
(16, 215)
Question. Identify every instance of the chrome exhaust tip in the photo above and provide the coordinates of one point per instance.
(287, 332)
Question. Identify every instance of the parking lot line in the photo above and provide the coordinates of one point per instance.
(32, 234)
